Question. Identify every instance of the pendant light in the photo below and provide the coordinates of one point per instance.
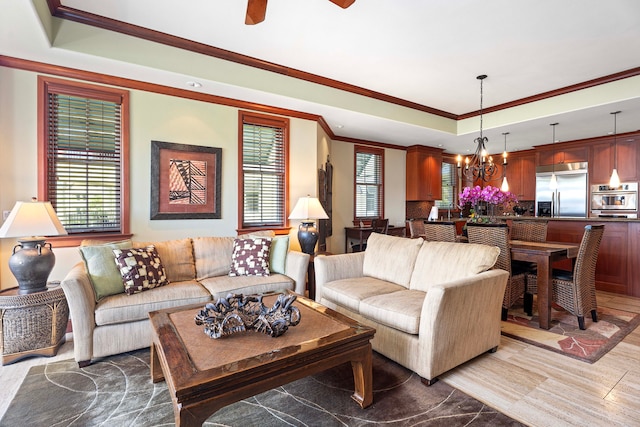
(553, 184)
(505, 184)
(615, 179)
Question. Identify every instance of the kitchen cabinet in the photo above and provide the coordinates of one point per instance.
(602, 160)
(550, 156)
(424, 173)
(521, 175)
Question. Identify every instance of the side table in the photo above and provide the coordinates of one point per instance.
(32, 324)
(311, 275)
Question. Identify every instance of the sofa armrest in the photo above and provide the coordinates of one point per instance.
(460, 320)
(82, 304)
(296, 267)
(336, 267)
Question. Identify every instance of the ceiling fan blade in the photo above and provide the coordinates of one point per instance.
(343, 3)
(256, 11)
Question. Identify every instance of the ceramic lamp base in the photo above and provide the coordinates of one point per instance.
(308, 237)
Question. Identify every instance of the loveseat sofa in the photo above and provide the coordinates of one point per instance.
(106, 320)
(434, 305)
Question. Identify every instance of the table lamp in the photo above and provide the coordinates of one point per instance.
(32, 259)
(308, 209)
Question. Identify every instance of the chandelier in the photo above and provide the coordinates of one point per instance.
(480, 165)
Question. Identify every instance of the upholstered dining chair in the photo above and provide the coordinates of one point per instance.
(498, 235)
(439, 231)
(380, 226)
(576, 291)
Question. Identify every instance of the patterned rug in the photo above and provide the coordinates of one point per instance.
(117, 391)
(564, 336)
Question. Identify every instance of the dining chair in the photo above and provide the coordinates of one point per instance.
(528, 231)
(380, 226)
(498, 235)
(575, 291)
(439, 231)
(416, 228)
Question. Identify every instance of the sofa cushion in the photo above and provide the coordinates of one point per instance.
(440, 262)
(129, 308)
(390, 258)
(212, 255)
(250, 257)
(349, 292)
(399, 310)
(220, 286)
(101, 268)
(141, 269)
(177, 257)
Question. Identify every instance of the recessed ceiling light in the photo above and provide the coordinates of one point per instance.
(340, 126)
(194, 84)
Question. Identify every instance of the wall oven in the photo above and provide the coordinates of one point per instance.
(615, 202)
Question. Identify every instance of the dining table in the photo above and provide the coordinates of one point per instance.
(544, 254)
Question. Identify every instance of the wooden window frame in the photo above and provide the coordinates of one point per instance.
(47, 86)
(375, 151)
(246, 117)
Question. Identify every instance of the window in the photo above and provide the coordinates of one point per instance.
(263, 181)
(449, 171)
(83, 151)
(369, 183)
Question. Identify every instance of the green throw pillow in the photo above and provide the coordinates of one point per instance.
(101, 266)
(278, 254)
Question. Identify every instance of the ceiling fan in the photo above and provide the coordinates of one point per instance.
(257, 9)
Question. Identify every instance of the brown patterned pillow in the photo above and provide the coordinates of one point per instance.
(141, 269)
(250, 257)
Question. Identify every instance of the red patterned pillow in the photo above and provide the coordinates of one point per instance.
(250, 257)
(140, 268)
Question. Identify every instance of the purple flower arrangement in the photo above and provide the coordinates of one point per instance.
(488, 194)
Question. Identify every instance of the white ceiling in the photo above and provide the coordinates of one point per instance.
(425, 52)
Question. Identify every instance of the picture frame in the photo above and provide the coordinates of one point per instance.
(185, 181)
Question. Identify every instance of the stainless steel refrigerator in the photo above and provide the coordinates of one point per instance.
(570, 198)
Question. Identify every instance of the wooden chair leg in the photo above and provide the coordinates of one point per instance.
(528, 304)
(493, 349)
(594, 315)
(581, 322)
(505, 312)
(84, 363)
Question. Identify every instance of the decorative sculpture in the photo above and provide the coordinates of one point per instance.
(237, 313)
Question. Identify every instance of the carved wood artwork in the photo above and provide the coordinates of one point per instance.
(325, 192)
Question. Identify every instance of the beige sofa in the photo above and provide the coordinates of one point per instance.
(197, 270)
(434, 305)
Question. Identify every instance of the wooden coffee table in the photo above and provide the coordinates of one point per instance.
(204, 374)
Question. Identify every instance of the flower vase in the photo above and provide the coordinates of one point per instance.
(492, 212)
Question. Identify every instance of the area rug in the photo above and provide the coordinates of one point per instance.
(117, 391)
(564, 336)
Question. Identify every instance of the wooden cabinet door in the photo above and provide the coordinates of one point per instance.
(627, 158)
(601, 163)
(424, 173)
(521, 174)
(575, 154)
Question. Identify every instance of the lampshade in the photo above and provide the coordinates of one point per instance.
(32, 219)
(308, 208)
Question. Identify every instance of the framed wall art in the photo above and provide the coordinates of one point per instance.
(185, 181)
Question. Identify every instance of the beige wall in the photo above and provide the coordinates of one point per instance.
(343, 178)
(153, 117)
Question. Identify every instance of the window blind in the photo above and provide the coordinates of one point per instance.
(448, 186)
(368, 184)
(84, 162)
(264, 169)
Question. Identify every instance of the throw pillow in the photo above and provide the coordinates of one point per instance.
(103, 273)
(250, 257)
(278, 254)
(141, 269)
